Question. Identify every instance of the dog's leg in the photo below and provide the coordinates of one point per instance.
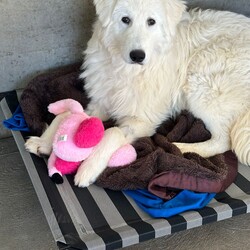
(95, 164)
(219, 143)
(205, 149)
(43, 145)
(240, 137)
(114, 138)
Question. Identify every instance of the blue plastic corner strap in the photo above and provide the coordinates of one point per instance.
(17, 121)
(159, 208)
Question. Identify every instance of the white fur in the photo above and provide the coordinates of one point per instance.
(198, 61)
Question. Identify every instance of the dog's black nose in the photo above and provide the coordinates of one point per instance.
(137, 56)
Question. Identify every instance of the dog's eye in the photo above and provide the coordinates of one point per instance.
(151, 22)
(126, 20)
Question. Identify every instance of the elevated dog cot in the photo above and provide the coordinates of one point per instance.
(97, 218)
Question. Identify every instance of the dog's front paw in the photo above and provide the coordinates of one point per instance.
(84, 179)
(87, 173)
(38, 146)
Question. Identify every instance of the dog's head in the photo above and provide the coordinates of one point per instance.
(138, 30)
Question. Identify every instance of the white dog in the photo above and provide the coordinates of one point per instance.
(147, 60)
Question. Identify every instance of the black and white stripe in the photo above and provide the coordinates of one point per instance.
(95, 218)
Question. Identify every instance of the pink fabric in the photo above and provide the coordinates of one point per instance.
(89, 133)
(123, 156)
(64, 146)
(62, 106)
(66, 167)
(76, 137)
(51, 165)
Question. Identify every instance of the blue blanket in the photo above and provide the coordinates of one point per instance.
(158, 208)
(17, 121)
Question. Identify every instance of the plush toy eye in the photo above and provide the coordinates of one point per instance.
(151, 22)
(126, 20)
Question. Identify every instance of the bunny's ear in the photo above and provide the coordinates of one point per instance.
(104, 10)
(89, 133)
(64, 105)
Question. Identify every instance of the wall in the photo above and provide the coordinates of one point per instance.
(238, 6)
(36, 35)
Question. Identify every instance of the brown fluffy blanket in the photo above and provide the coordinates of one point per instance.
(47, 88)
(160, 166)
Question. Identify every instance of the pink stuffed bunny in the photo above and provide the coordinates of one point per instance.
(76, 138)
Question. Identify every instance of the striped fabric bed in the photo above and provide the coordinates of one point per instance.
(95, 218)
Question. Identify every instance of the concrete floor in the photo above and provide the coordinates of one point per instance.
(24, 227)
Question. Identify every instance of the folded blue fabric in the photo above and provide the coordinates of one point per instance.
(17, 121)
(158, 208)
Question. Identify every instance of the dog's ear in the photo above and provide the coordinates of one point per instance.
(104, 9)
(175, 10)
